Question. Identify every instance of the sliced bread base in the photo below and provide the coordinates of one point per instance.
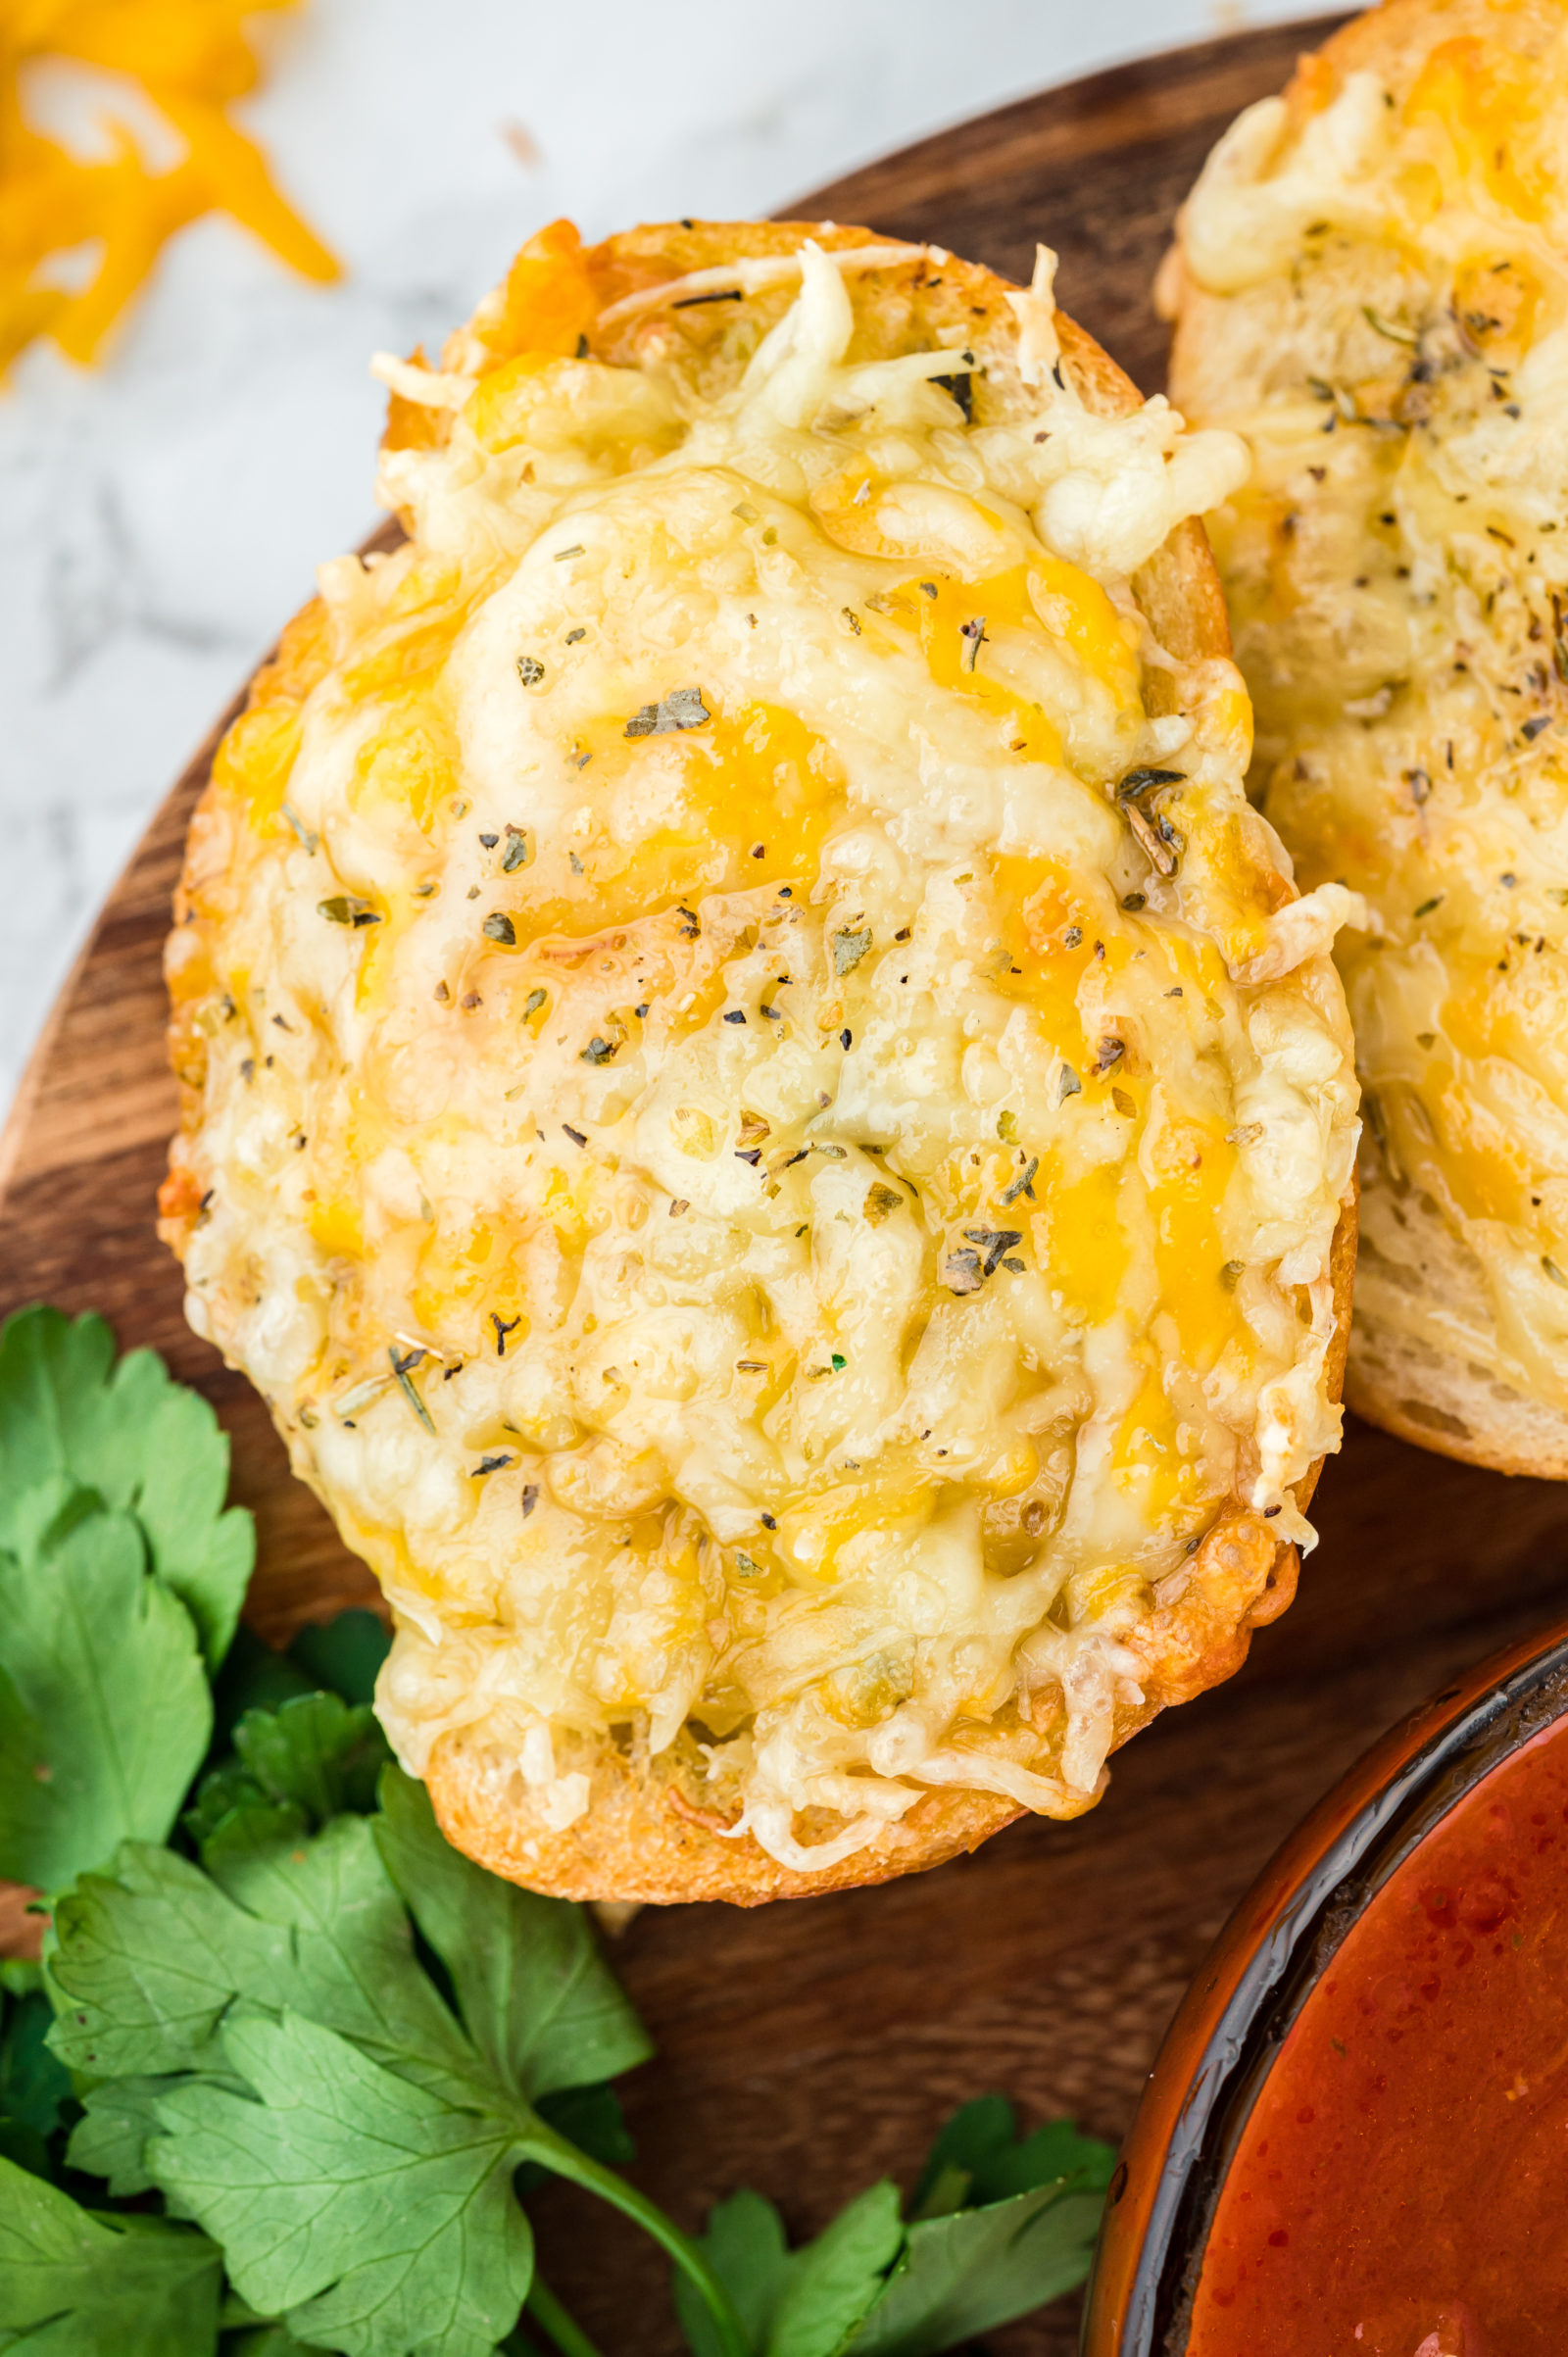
(1426, 1361)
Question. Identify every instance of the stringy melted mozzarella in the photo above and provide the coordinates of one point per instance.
(1380, 305)
(768, 1219)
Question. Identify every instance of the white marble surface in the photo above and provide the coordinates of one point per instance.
(159, 517)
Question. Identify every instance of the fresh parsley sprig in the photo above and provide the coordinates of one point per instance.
(121, 1576)
(997, 2225)
(291, 2065)
(286, 2073)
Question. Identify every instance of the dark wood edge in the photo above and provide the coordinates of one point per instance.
(1159, 93)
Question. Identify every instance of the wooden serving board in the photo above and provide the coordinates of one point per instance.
(806, 2047)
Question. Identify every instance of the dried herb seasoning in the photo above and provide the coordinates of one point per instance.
(962, 1273)
(682, 708)
(959, 388)
(307, 841)
(1144, 782)
(993, 1243)
(850, 946)
(402, 1364)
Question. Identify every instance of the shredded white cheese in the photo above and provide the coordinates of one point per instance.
(720, 1148)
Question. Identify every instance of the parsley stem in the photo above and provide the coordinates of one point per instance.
(565, 2159)
(553, 2319)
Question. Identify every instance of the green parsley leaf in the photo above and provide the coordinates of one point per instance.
(253, 1678)
(146, 1963)
(110, 2139)
(352, 1948)
(269, 2341)
(317, 1751)
(231, 1815)
(26, 2148)
(591, 2117)
(801, 2303)
(369, 2212)
(979, 2157)
(746, 2247)
(835, 2279)
(975, 2134)
(34, 2084)
(76, 2284)
(344, 1656)
(964, 2274)
(86, 1637)
(537, 1997)
(162, 1972)
(148, 1446)
(313, 1758)
(1054, 2154)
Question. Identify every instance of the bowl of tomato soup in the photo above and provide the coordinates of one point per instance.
(1354, 2142)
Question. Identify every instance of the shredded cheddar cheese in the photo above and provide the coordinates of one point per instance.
(744, 1108)
(192, 59)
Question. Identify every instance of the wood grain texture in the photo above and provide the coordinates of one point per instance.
(807, 2047)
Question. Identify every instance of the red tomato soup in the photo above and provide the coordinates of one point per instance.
(1402, 2188)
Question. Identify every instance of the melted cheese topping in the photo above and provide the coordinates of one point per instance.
(1380, 305)
(769, 1123)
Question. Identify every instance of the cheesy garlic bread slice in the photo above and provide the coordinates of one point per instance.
(763, 1112)
(1371, 286)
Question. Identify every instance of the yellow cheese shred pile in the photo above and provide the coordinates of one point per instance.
(192, 59)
